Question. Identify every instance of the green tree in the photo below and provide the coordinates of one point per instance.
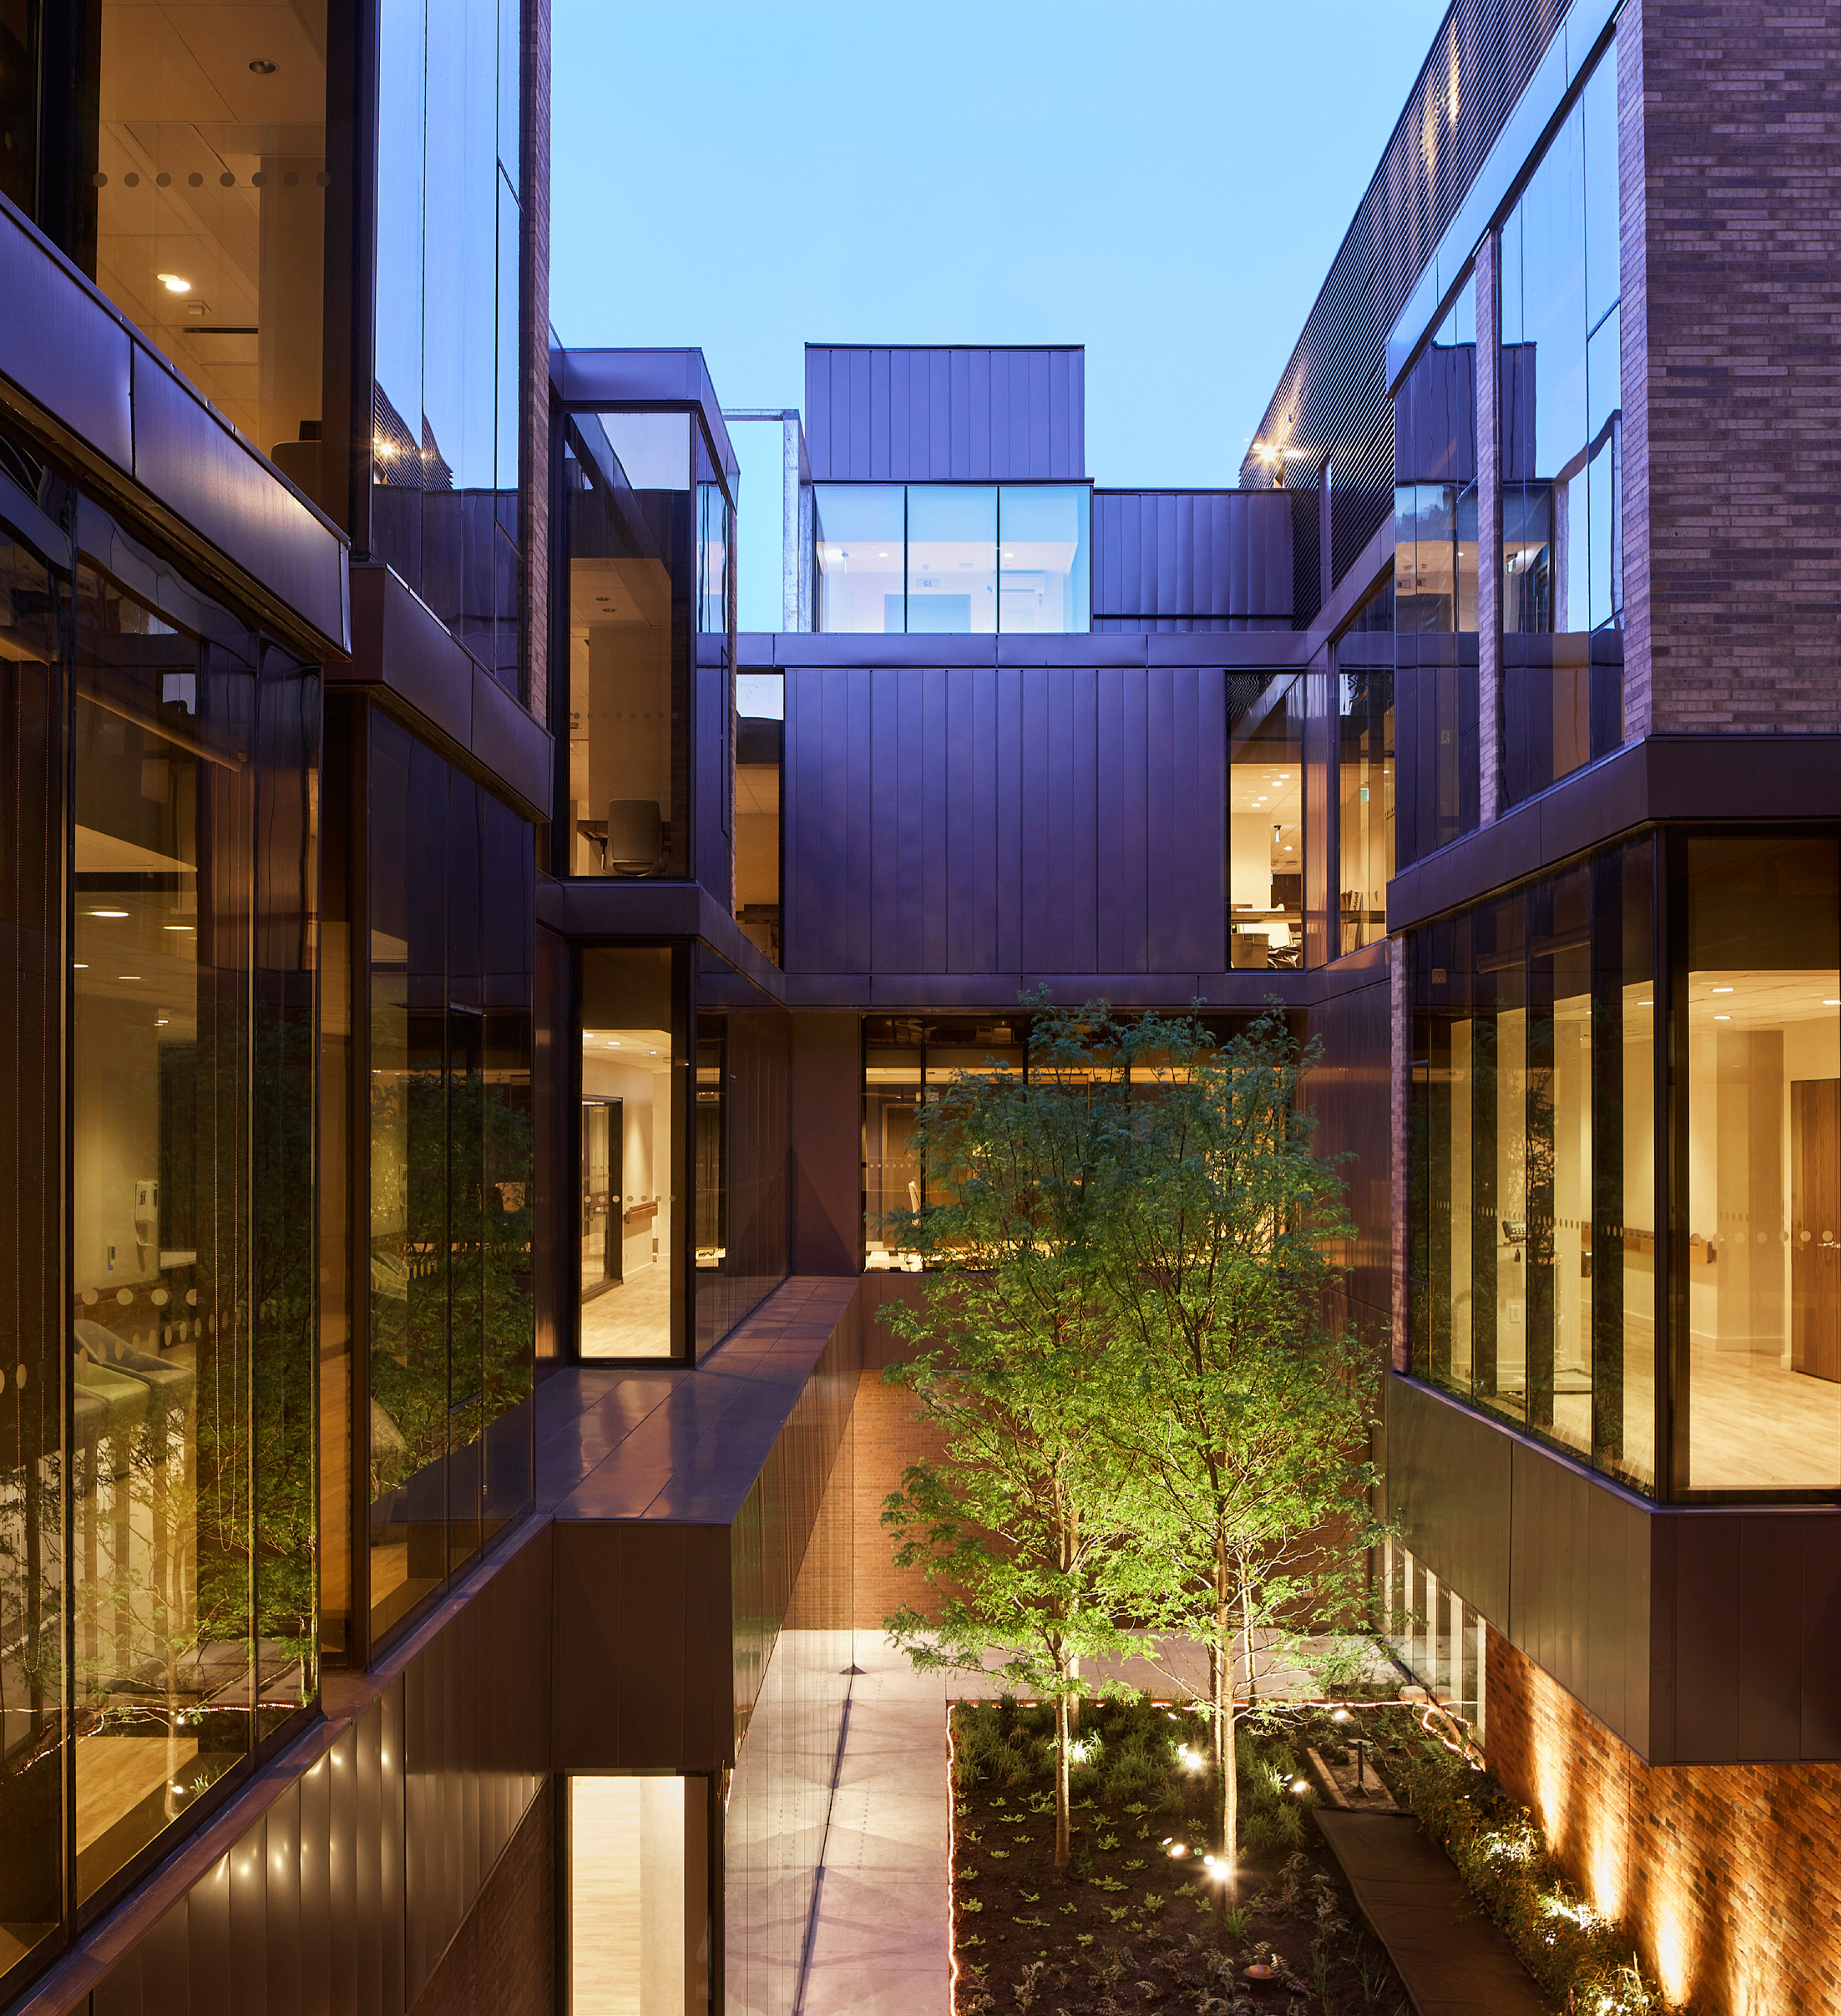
(1012, 1524)
(1151, 1423)
(1244, 1447)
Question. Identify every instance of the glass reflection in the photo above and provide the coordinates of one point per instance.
(1758, 1400)
(452, 1322)
(1561, 436)
(445, 405)
(632, 1145)
(1435, 596)
(1265, 820)
(33, 1721)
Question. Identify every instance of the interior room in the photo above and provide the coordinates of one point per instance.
(210, 195)
(630, 559)
(638, 1896)
(631, 1144)
(1265, 821)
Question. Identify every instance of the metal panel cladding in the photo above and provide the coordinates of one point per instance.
(875, 414)
(1332, 403)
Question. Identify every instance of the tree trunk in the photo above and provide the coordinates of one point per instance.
(1226, 1777)
(1062, 1733)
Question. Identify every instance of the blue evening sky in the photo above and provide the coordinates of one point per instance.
(1165, 183)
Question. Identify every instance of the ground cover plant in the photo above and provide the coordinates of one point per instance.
(1582, 1961)
(1126, 1923)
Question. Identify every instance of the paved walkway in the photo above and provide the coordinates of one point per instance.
(882, 1942)
(1453, 1961)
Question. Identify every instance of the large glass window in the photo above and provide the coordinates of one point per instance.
(1561, 442)
(1265, 820)
(1435, 469)
(452, 1323)
(952, 557)
(157, 1507)
(634, 1156)
(760, 735)
(445, 405)
(633, 558)
(1533, 1155)
(1364, 772)
(1757, 1009)
(197, 195)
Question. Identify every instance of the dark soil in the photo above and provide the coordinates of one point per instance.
(1128, 1925)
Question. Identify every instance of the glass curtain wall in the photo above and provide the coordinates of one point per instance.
(1265, 820)
(445, 404)
(156, 1447)
(1756, 998)
(1434, 468)
(955, 558)
(179, 156)
(1534, 1211)
(635, 567)
(1364, 772)
(761, 746)
(1561, 444)
(451, 1298)
(635, 1152)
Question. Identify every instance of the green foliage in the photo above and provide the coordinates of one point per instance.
(1148, 1422)
(1582, 1960)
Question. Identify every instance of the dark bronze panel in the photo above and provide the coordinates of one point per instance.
(61, 347)
(1448, 1486)
(191, 462)
(1707, 1556)
(1768, 1642)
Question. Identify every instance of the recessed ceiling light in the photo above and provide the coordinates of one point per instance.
(1722, 1018)
(613, 1042)
(179, 927)
(80, 966)
(263, 67)
(1651, 1004)
(652, 1053)
(127, 976)
(173, 284)
(1831, 1004)
(108, 913)
(1722, 990)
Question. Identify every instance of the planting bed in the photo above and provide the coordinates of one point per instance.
(1128, 1925)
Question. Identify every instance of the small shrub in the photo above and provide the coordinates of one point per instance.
(1577, 1956)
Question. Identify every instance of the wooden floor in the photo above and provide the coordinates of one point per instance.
(1756, 1426)
(115, 1773)
(632, 1319)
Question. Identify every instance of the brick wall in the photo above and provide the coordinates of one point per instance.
(1728, 1875)
(502, 1961)
(1734, 439)
(884, 1439)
